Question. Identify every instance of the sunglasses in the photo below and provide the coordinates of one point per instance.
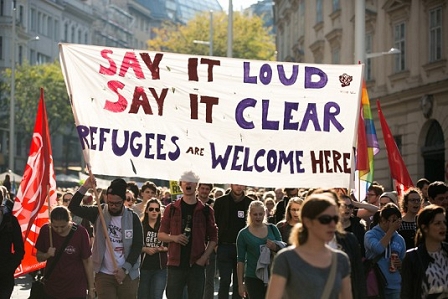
(326, 219)
(128, 198)
(154, 209)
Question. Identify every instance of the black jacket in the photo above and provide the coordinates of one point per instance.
(349, 244)
(10, 237)
(413, 271)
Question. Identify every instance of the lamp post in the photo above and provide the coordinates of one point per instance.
(230, 31)
(13, 86)
(210, 42)
(378, 54)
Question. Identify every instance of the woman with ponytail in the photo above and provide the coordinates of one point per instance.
(425, 267)
(302, 270)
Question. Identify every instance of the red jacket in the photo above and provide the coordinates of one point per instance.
(203, 228)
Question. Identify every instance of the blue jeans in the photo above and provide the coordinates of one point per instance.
(192, 277)
(152, 284)
(226, 256)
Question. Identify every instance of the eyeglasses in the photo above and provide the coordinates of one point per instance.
(117, 204)
(154, 209)
(326, 219)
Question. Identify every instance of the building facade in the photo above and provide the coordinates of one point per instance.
(112, 23)
(412, 86)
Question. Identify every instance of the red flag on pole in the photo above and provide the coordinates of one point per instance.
(31, 208)
(398, 169)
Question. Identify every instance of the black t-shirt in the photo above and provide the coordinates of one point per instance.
(237, 220)
(187, 218)
(151, 262)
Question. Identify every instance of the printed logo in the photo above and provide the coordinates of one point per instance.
(345, 79)
(128, 234)
(240, 214)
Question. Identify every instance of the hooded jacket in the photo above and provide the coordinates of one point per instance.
(374, 247)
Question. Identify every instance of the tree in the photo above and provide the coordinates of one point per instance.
(28, 81)
(250, 39)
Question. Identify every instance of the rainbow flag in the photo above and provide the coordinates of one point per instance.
(367, 141)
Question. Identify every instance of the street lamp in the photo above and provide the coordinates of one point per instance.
(13, 86)
(230, 31)
(210, 42)
(378, 54)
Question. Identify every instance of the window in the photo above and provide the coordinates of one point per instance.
(32, 57)
(435, 34)
(49, 26)
(368, 71)
(39, 23)
(72, 35)
(86, 38)
(400, 43)
(336, 5)
(56, 31)
(2, 7)
(335, 56)
(20, 55)
(319, 15)
(21, 21)
(79, 36)
(33, 20)
(66, 32)
(1, 47)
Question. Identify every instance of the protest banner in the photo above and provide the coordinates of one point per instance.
(262, 123)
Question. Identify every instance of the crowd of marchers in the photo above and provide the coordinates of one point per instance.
(139, 242)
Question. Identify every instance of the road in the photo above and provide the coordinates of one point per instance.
(23, 286)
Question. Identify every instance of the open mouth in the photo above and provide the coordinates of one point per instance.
(188, 188)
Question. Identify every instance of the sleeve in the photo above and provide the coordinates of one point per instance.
(281, 264)
(276, 231)
(86, 252)
(19, 250)
(42, 239)
(166, 219)
(372, 244)
(241, 246)
(88, 212)
(212, 230)
(217, 207)
(345, 264)
(137, 242)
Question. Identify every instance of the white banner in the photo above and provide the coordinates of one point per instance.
(156, 115)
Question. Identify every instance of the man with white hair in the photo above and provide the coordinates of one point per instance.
(186, 223)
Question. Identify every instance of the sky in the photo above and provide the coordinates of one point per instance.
(237, 4)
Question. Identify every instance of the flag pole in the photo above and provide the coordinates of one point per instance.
(103, 222)
(49, 214)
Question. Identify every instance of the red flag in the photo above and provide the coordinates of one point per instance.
(398, 169)
(31, 208)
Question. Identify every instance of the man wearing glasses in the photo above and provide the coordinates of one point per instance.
(125, 232)
(367, 208)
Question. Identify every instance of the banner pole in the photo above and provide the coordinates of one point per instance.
(103, 222)
(49, 214)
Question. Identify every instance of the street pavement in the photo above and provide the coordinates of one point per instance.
(23, 286)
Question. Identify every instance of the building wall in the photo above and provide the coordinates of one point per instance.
(405, 94)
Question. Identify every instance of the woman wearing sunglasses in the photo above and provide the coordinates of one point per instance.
(425, 268)
(302, 270)
(384, 240)
(154, 254)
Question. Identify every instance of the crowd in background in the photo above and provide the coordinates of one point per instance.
(259, 242)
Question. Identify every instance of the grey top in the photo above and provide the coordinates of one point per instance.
(304, 280)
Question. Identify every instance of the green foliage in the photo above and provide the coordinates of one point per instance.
(28, 81)
(250, 39)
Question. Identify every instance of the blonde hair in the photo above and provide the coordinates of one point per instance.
(254, 204)
(294, 200)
